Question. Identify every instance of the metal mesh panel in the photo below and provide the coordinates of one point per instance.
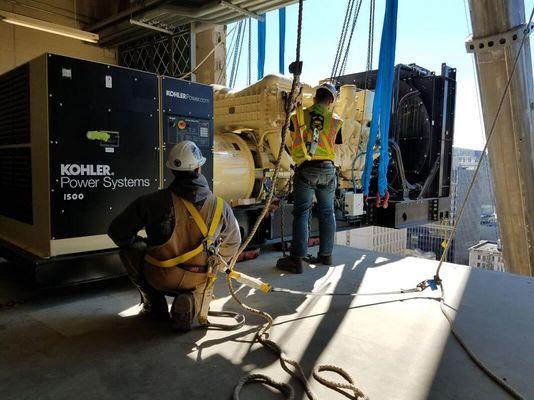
(162, 54)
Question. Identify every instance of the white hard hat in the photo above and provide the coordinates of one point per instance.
(185, 156)
(329, 87)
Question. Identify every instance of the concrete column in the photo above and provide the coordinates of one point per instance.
(213, 70)
(511, 150)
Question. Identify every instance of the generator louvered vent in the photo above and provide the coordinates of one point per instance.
(15, 150)
(15, 107)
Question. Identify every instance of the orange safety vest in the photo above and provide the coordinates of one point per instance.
(326, 122)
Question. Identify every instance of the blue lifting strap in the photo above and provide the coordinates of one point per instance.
(262, 27)
(382, 101)
(281, 40)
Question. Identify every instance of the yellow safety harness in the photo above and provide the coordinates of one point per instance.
(301, 129)
(211, 246)
(310, 143)
(208, 234)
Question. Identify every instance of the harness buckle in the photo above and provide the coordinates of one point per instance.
(211, 245)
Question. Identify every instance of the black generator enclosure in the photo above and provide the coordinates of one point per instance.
(187, 114)
(420, 145)
(87, 144)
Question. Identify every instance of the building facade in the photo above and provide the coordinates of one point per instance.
(487, 255)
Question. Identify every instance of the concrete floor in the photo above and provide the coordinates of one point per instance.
(88, 343)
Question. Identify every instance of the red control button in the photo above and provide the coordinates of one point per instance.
(182, 125)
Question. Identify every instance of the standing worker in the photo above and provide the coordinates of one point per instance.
(179, 222)
(314, 131)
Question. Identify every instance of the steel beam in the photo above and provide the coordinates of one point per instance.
(242, 11)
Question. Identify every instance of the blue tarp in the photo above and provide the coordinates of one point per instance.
(262, 27)
(382, 101)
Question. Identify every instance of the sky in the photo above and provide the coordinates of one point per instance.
(429, 33)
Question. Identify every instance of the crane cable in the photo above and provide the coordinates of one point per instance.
(342, 38)
(263, 332)
(236, 57)
(437, 278)
(347, 50)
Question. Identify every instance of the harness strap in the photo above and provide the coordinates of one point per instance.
(207, 234)
(196, 217)
(216, 220)
(301, 127)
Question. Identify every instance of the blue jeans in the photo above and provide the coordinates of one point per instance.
(307, 182)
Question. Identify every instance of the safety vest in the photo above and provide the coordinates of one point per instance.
(208, 235)
(305, 122)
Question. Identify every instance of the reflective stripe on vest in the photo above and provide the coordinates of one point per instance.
(207, 234)
(299, 141)
(303, 134)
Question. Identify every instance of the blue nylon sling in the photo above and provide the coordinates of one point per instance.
(382, 101)
(262, 28)
(281, 39)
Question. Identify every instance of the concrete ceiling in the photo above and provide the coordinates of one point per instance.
(170, 15)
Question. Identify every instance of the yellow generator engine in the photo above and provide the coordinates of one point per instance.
(247, 137)
(248, 124)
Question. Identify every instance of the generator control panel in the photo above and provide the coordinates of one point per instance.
(187, 114)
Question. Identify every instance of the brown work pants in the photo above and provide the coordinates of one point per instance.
(152, 282)
(178, 279)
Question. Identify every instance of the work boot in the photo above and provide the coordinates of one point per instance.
(321, 259)
(291, 264)
(183, 312)
(154, 307)
(326, 260)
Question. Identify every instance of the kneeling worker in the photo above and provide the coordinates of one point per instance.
(314, 132)
(177, 221)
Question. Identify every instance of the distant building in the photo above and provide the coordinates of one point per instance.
(479, 221)
(486, 254)
(468, 231)
(375, 238)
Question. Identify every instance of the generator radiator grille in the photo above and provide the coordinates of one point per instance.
(15, 149)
